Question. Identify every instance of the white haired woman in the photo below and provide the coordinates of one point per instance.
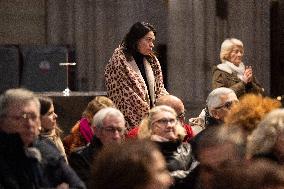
(232, 73)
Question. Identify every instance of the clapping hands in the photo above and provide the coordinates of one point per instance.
(248, 74)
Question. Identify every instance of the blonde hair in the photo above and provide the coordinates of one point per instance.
(227, 47)
(145, 128)
(95, 105)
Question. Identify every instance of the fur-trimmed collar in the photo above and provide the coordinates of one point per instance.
(225, 68)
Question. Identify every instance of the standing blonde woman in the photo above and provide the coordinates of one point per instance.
(232, 72)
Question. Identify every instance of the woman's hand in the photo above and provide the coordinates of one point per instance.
(248, 74)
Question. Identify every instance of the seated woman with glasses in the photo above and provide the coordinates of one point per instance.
(162, 126)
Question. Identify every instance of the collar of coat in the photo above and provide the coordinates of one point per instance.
(227, 67)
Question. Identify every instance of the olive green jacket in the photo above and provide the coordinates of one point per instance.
(226, 78)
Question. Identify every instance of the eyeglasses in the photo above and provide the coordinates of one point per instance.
(24, 117)
(181, 115)
(112, 130)
(226, 105)
(165, 121)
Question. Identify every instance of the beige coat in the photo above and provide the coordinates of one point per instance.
(127, 88)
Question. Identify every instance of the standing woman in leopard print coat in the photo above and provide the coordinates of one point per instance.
(133, 75)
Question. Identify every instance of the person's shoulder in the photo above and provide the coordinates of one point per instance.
(222, 68)
(117, 59)
(48, 150)
(118, 53)
(80, 151)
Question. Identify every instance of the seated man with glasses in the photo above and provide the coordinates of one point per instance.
(23, 163)
(162, 126)
(19, 127)
(219, 103)
(109, 127)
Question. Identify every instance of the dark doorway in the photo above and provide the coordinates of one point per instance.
(277, 47)
(162, 57)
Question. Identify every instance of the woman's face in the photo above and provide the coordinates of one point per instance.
(161, 178)
(164, 125)
(146, 43)
(236, 55)
(48, 121)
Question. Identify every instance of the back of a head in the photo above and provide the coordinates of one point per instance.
(250, 110)
(15, 96)
(95, 105)
(263, 139)
(258, 174)
(206, 138)
(216, 137)
(123, 166)
(171, 101)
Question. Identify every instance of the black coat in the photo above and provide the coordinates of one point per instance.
(56, 170)
(82, 159)
(179, 160)
(17, 169)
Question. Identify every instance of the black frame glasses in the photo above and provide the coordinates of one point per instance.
(166, 121)
(23, 117)
(227, 105)
(112, 130)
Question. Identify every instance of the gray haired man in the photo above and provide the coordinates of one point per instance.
(219, 103)
(109, 127)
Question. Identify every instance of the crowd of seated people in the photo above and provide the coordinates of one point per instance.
(245, 132)
(235, 142)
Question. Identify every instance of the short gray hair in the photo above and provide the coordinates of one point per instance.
(12, 96)
(263, 138)
(227, 47)
(103, 113)
(214, 100)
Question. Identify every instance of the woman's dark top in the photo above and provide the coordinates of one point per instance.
(139, 59)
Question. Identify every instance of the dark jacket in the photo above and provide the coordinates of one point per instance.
(56, 170)
(179, 160)
(211, 121)
(222, 78)
(82, 159)
(18, 169)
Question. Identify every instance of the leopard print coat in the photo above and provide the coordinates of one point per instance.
(127, 89)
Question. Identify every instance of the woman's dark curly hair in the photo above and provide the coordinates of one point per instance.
(136, 32)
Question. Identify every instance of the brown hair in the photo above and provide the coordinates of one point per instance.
(45, 104)
(123, 166)
(258, 174)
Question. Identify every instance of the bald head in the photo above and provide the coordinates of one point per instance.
(172, 101)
